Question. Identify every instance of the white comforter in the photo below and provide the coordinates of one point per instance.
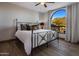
(25, 37)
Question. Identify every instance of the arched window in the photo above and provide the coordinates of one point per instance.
(58, 18)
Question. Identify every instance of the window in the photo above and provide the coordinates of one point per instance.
(58, 20)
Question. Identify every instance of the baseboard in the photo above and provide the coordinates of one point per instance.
(62, 38)
(7, 40)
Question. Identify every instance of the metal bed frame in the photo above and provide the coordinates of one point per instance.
(34, 42)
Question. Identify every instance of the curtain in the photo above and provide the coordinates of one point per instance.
(72, 29)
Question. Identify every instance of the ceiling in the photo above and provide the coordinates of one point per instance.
(41, 8)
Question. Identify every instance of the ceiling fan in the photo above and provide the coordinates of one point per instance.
(43, 3)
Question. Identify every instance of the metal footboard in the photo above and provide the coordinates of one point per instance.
(48, 37)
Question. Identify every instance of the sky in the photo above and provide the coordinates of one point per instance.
(59, 14)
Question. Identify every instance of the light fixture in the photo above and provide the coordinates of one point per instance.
(42, 3)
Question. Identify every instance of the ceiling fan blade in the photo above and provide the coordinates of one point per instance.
(50, 2)
(45, 5)
(37, 4)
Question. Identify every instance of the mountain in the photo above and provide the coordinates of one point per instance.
(59, 21)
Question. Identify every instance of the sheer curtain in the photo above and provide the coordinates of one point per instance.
(72, 29)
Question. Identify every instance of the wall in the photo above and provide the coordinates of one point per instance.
(43, 17)
(8, 14)
(78, 18)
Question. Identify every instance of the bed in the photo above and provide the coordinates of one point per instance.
(34, 38)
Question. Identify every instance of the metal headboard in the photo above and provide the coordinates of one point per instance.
(30, 23)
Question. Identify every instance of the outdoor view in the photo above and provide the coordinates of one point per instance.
(58, 20)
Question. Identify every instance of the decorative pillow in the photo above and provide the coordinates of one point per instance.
(35, 27)
(28, 27)
(23, 27)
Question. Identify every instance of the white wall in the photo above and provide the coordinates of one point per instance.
(43, 17)
(8, 14)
